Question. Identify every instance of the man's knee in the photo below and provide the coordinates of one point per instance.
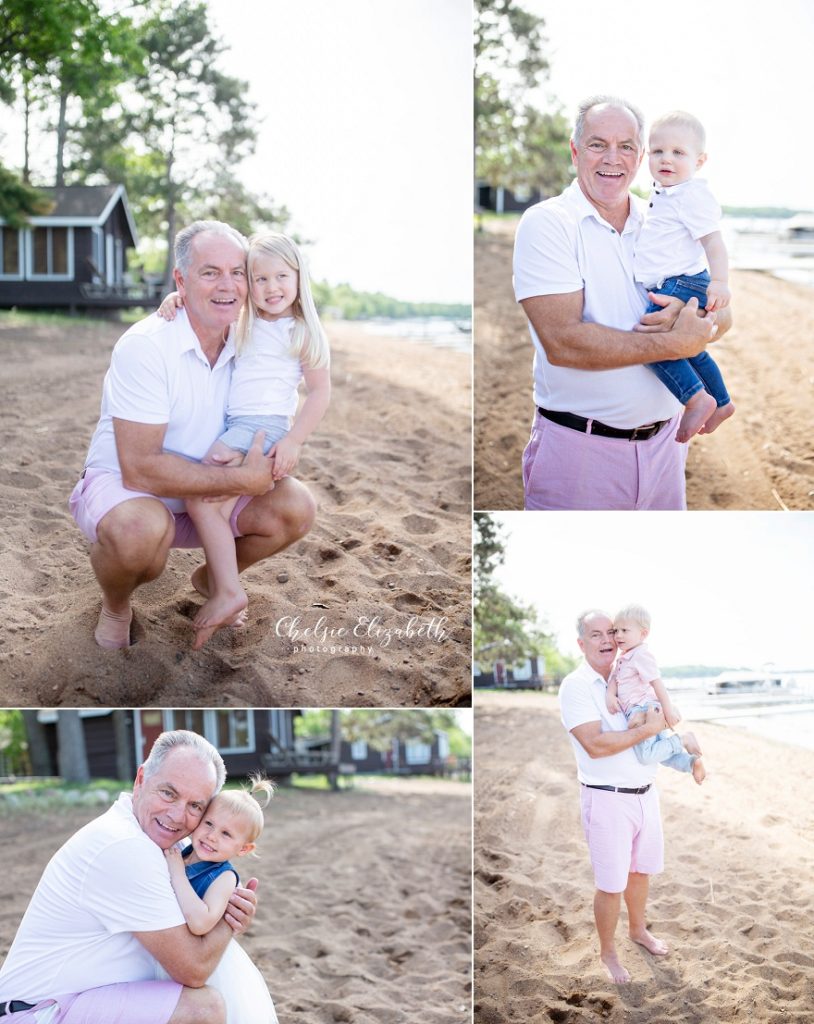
(136, 533)
(199, 1006)
(288, 511)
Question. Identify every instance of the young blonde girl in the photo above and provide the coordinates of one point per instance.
(279, 342)
(204, 878)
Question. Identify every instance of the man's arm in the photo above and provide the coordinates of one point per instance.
(570, 341)
(603, 744)
(147, 467)
(190, 959)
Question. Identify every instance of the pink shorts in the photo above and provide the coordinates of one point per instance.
(99, 490)
(566, 470)
(133, 1002)
(623, 831)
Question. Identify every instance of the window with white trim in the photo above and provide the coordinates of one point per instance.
(358, 750)
(50, 255)
(11, 252)
(416, 752)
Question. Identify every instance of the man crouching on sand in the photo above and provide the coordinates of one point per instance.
(620, 805)
(163, 405)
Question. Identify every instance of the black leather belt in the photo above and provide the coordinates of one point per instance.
(15, 1006)
(569, 419)
(619, 789)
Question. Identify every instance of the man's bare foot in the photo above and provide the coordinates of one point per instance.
(113, 629)
(650, 942)
(699, 772)
(617, 974)
(691, 744)
(722, 413)
(220, 610)
(696, 413)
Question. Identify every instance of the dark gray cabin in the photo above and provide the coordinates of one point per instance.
(74, 257)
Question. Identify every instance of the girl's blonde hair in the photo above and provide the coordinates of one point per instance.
(308, 341)
(637, 614)
(242, 801)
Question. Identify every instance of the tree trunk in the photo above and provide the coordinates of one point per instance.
(62, 130)
(72, 756)
(26, 141)
(125, 768)
(38, 752)
(336, 747)
(169, 283)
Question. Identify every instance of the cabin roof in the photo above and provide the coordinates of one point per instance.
(85, 206)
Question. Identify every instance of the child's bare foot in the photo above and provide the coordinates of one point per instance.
(722, 413)
(699, 772)
(113, 629)
(650, 942)
(617, 974)
(200, 581)
(637, 719)
(219, 610)
(696, 413)
(691, 744)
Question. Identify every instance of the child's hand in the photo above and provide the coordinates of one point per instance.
(168, 307)
(671, 715)
(718, 296)
(286, 455)
(174, 858)
(613, 704)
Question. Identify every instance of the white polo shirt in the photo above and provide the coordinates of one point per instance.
(159, 374)
(108, 881)
(582, 700)
(668, 244)
(563, 245)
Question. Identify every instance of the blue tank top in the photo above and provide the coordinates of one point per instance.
(204, 873)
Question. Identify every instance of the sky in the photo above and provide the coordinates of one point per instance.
(743, 67)
(366, 134)
(732, 588)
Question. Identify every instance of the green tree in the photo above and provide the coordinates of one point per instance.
(379, 728)
(516, 143)
(505, 629)
(181, 123)
(19, 201)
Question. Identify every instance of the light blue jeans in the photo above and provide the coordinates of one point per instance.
(240, 431)
(664, 748)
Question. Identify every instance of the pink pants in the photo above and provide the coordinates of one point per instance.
(134, 1002)
(566, 470)
(623, 831)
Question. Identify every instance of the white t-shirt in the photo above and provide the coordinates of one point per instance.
(668, 244)
(582, 699)
(108, 881)
(563, 245)
(266, 374)
(159, 374)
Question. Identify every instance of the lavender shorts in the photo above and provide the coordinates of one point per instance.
(99, 490)
(623, 831)
(133, 1002)
(566, 470)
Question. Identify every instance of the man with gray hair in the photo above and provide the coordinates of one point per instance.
(105, 911)
(603, 436)
(163, 405)
(619, 803)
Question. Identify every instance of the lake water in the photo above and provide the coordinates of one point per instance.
(763, 243)
(441, 332)
(784, 713)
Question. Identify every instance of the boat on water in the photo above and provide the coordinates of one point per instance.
(744, 682)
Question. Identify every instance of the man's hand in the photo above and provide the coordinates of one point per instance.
(654, 721)
(664, 318)
(242, 906)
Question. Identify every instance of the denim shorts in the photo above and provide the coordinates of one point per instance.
(240, 431)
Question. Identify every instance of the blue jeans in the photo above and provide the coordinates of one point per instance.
(664, 748)
(686, 377)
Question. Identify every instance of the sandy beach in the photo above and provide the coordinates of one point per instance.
(760, 459)
(364, 912)
(390, 468)
(734, 902)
